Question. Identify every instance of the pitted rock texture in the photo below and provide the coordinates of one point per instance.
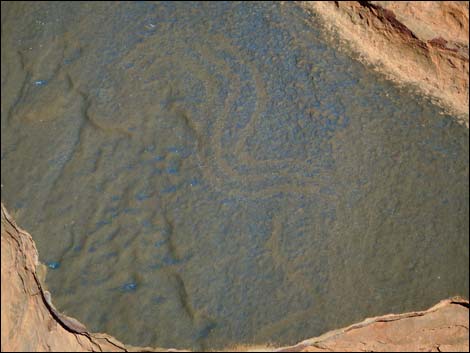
(31, 323)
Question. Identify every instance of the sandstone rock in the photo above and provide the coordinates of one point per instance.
(28, 323)
(432, 19)
(444, 326)
(31, 323)
(420, 43)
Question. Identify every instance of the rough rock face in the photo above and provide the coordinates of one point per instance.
(423, 43)
(28, 323)
(420, 43)
(444, 327)
(432, 19)
(31, 323)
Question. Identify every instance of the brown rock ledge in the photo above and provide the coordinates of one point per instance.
(29, 321)
(423, 43)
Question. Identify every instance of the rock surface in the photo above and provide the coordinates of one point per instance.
(424, 43)
(31, 323)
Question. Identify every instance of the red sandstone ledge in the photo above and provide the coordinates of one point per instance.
(424, 44)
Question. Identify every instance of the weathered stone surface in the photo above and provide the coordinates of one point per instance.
(420, 43)
(423, 43)
(444, 326)
(28, 323)
(31, 323)
(432, 19)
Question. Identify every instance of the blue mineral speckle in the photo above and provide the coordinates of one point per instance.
(40, 82)
(129, 287)
(172, 170)
(102, 223)
(53, 264)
